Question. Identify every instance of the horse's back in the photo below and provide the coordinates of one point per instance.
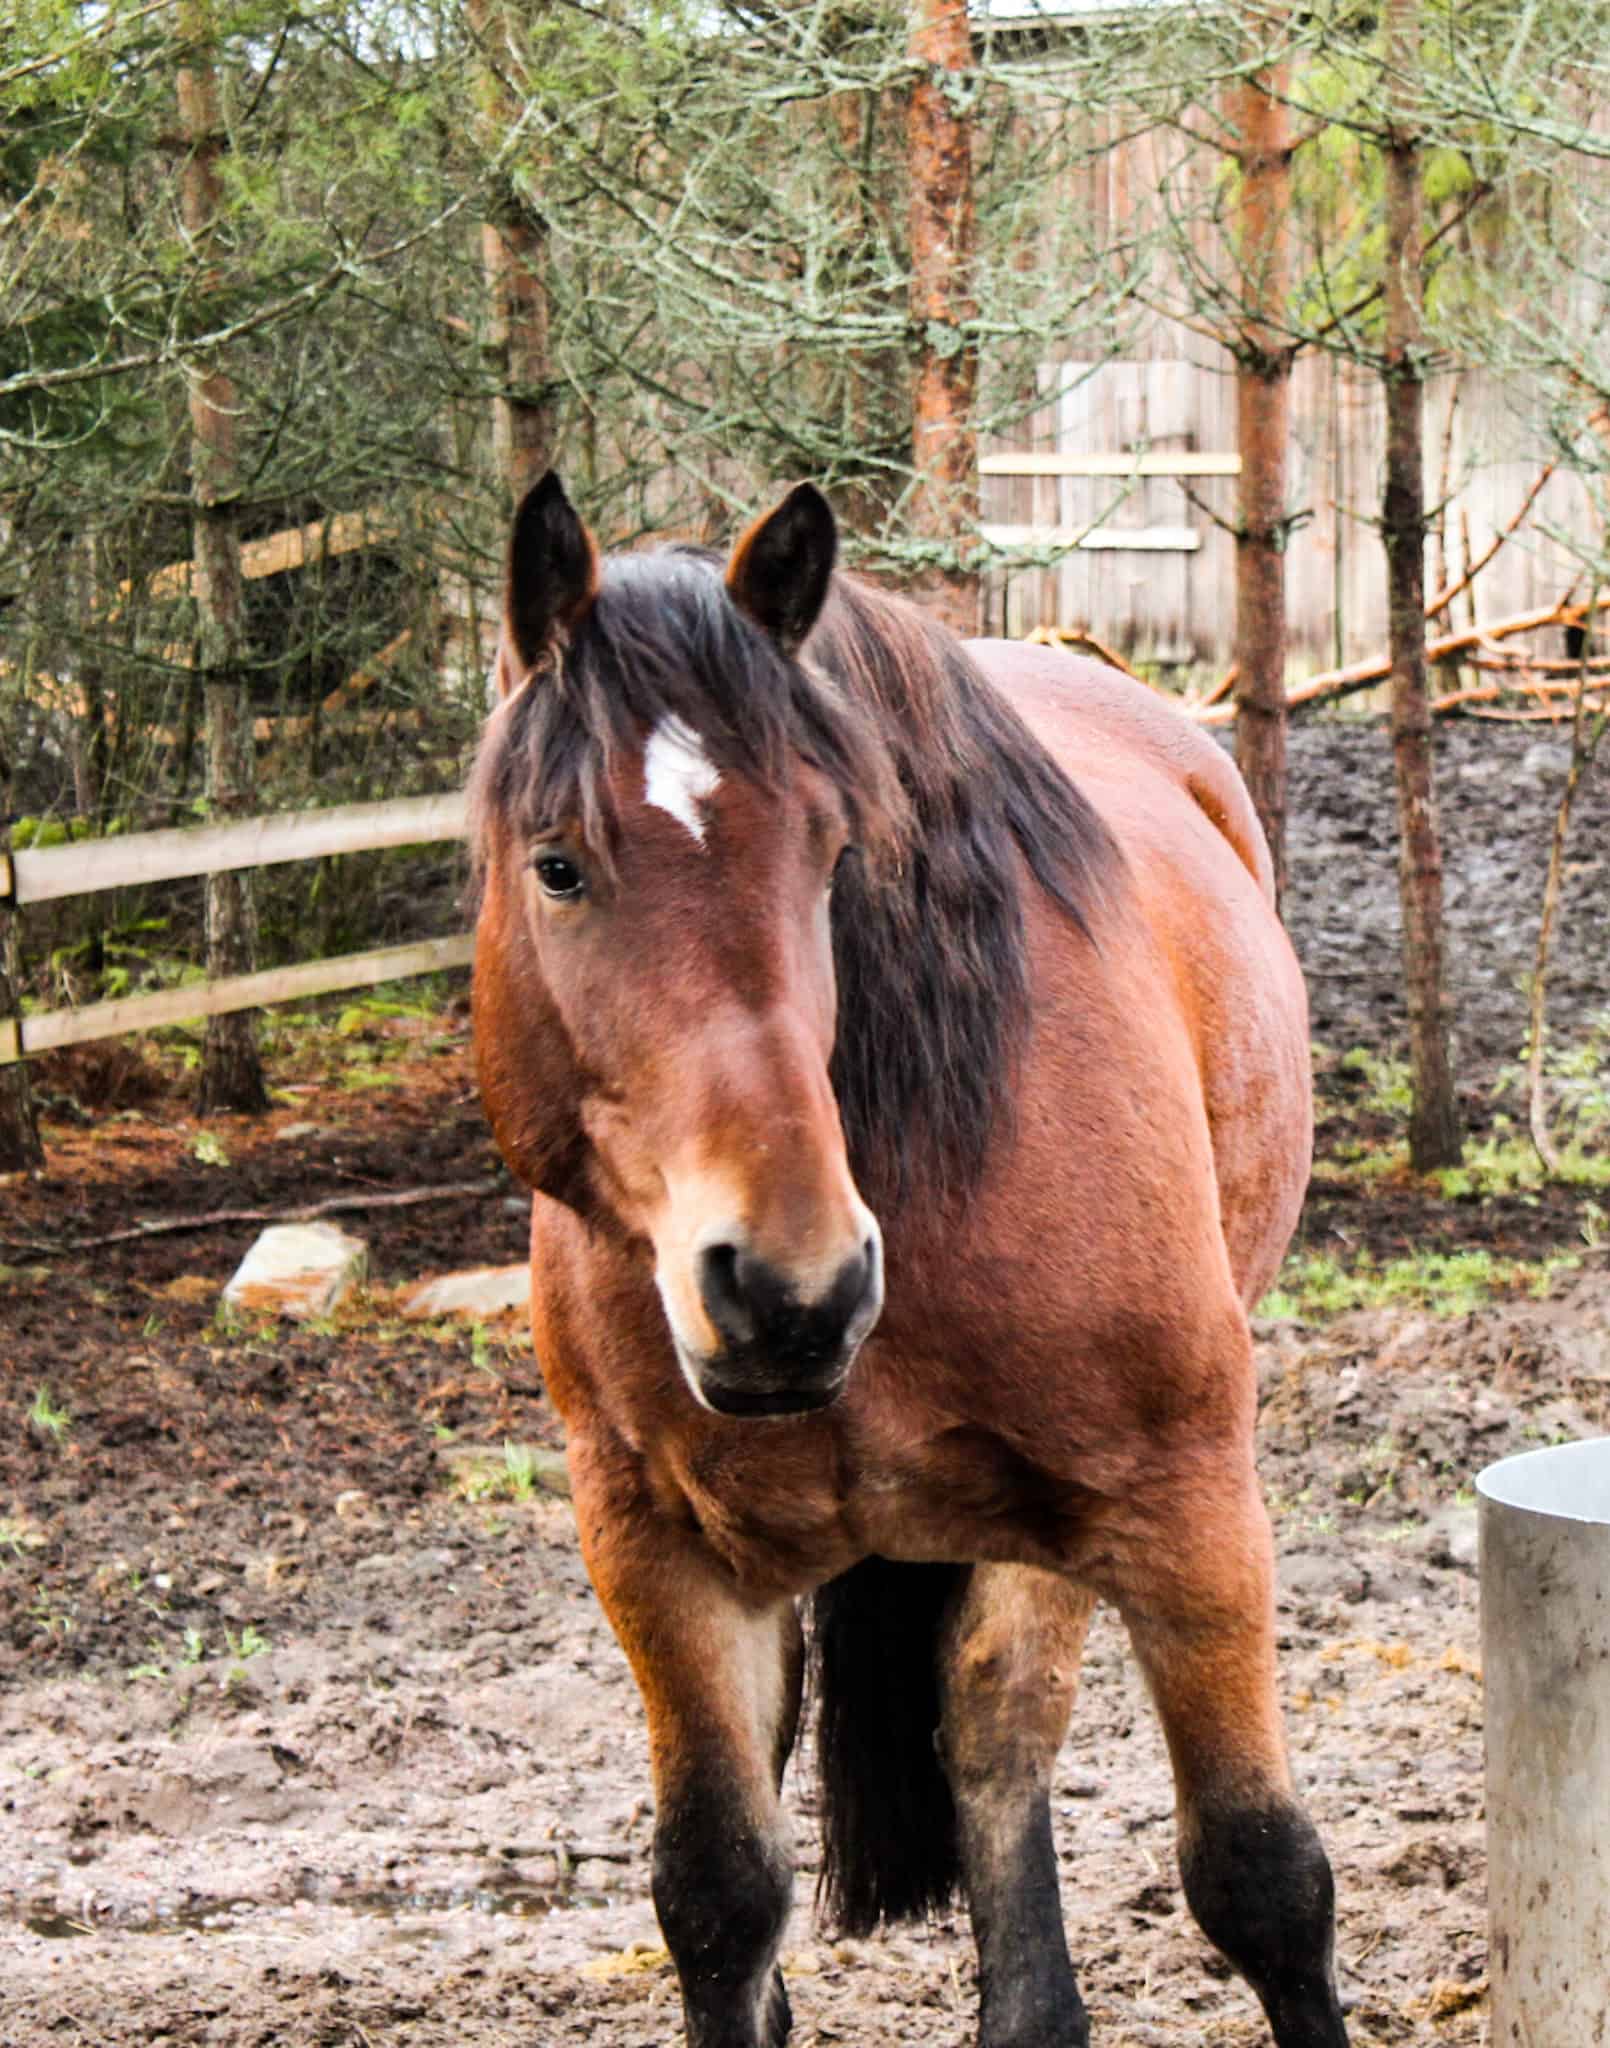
(1196, 867)
(1059, 694)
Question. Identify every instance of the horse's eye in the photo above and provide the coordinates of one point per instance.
(558, 877)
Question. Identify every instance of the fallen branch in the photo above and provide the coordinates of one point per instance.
(161, 1226)
(1554, 700)
(1547, 714)
(1076, 636)
(1222, 688)
(1503, 663)
(1363, 675)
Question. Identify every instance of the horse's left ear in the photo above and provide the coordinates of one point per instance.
(780, 568)
(552, 575)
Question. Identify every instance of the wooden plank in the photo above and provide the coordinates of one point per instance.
(7, 879)
(84, 869)
(1161, 462)
(1151, 540)
(343, 533)
(50, 1028)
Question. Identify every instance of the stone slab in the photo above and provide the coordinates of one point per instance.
(300, 1270)
(481, 1293)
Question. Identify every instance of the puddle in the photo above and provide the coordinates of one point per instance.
(53, 1922)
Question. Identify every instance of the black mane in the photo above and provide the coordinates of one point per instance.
(949, 792)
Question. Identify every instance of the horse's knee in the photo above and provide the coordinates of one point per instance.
(1259, 1882)
(1009, 1678)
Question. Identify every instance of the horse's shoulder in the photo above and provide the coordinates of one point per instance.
(1073, 704)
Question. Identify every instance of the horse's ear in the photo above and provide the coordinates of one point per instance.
(780, 568)
(552, 575)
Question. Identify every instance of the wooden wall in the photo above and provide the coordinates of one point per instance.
(1170, 606)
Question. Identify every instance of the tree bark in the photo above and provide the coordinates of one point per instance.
(944, 437)
(514, 257)
(231, 1071)
(20, 1149)
(514, 254)
(1585, 738)
(1263, 359)
(1434, 1129)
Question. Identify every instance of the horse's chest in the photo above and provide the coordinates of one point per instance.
(795, 1513)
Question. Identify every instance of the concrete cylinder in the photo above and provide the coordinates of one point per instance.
(1545, 1624)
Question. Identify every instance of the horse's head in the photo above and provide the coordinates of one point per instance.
(663, 799)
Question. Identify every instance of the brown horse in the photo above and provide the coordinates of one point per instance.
(912, 1074)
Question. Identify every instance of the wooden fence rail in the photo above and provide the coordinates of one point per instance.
(47, 874)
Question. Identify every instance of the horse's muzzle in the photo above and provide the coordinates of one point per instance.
(781, 1355)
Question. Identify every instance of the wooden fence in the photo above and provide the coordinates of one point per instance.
(47, 874)
(1125, 466)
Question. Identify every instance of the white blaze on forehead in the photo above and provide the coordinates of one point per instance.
(678, 775)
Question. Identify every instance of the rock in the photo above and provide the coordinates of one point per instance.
(483, 1292)
(1450, 1538)
(301, 1270)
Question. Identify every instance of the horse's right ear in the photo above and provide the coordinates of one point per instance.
(781, 567)
(552, 575)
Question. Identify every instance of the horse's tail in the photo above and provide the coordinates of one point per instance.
(888, 1822)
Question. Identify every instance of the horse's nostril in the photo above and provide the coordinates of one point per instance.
(722, 1291)
(859, 1286)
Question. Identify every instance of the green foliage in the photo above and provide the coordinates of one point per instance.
(1316, 1285)
(47, 1419)
(518, 1475)
(1387, 1080)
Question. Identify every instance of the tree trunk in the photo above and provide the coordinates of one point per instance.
(514, 256)
(1434, 1133)
(1263, 359)
(514, 253)
(231, 1072)
(1585, 738)
(20, 1149)
(944, 438)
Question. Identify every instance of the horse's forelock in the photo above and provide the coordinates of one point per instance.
(663, 640)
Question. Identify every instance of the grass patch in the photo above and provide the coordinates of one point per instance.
(1316, 1285)
(1386, 1090)
(522, 1474)
(47, 1419)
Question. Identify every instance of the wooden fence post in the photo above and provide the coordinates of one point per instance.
(20, 1149)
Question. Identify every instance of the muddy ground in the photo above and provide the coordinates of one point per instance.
(299, 1744)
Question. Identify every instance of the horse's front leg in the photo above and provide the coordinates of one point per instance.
(1009, 1664)
(1196, 1590)
(720, 1675)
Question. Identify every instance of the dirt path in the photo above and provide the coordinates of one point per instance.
(300, 1746)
